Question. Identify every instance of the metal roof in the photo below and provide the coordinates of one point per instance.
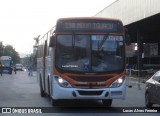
(130, 11)
(138, 16)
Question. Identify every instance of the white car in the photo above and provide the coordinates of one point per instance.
(19, 67)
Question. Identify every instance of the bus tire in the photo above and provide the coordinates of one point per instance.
(10, 72)
(54, 102)
(49, 93)
(107, 102)
(41, 89)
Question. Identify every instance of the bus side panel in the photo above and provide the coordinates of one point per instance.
(48, 72)
(51, 68)
(40, 70)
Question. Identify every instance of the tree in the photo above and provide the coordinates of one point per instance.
(8, 50)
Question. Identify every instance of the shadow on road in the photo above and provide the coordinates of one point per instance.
(83, 106)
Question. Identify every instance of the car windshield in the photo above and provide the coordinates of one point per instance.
(19, 65)
(90, 53)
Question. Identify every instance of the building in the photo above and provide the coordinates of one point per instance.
(142, 19)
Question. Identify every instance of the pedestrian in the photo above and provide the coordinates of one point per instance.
(1, 68)
(30, 68)
(14, 68)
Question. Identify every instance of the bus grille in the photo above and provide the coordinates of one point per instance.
(91, 78)
(89, 92)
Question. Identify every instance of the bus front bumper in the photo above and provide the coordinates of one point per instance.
(59, 92)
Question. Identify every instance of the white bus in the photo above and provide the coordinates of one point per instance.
(83, 58)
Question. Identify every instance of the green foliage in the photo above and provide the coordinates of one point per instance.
(8, 50)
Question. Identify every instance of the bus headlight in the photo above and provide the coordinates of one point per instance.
(62, 82)
(118, 82)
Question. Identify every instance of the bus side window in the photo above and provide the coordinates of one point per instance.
(52, 41)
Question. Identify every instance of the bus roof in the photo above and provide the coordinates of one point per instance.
(89, 18)
(5, 58)
(89, 24)
(54, 29)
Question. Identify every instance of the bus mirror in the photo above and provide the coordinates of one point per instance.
(52, 41)
(128, 40)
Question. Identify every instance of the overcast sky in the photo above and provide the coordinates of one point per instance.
(22, 20)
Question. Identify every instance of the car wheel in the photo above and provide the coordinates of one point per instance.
(147, 101)
(107, 102)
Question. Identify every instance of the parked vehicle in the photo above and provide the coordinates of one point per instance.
(19, 67)
(152, 92)
(6, 64)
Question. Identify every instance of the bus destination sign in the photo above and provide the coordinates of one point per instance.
(93, 26)
(90, 26)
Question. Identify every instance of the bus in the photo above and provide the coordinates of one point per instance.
(6, 62)
(83, 58)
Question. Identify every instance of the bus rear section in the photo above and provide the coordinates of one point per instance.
(88, 61)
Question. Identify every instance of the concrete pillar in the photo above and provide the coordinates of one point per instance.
(140, 51)
(159, 48)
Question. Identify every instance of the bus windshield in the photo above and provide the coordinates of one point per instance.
(90, 53)
(6, 63)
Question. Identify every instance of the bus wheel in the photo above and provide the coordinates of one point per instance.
(49, 94)
(54, 102)
(107, 102)
(41, 89)
(10, 72)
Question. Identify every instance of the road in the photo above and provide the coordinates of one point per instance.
(21, 90)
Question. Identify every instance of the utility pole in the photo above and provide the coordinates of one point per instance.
(1, 48)
(34, 56)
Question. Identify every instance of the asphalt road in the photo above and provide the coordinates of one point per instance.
(20, 91)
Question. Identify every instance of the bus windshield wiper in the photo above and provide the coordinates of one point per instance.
(102, 42)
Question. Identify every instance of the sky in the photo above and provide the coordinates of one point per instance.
(22, 20)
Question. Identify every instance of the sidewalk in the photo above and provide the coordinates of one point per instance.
(136, 78)
(143, 78)
(34, 74)
(134, 81)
